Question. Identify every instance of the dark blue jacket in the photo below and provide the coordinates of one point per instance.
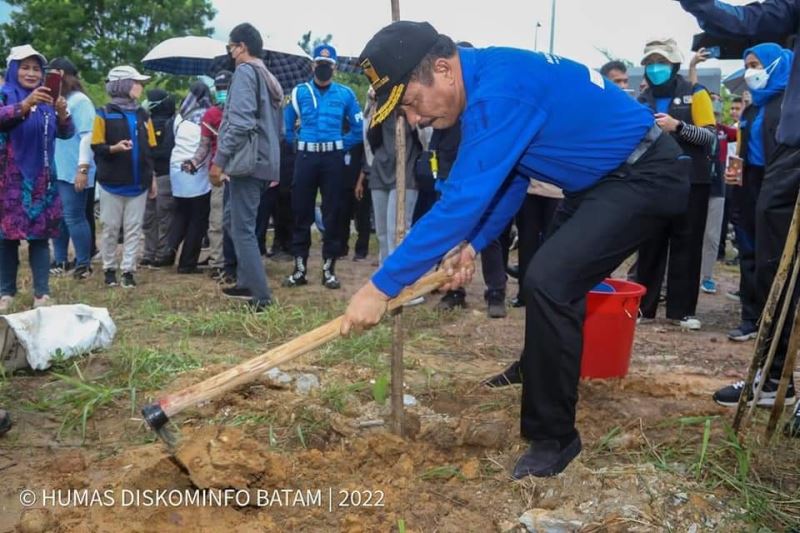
(773, 21)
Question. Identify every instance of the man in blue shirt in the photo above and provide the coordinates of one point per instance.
(322, 106)
(775, 21)
(525, 115)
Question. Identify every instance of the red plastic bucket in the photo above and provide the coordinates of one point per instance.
(609, 328)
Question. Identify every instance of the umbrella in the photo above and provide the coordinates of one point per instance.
(735, 82)
(184, 55)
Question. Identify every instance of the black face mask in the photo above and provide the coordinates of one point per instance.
(323, 72)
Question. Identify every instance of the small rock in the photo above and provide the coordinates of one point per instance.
(36, 521)
(491, 432)
(693, 528)
(506, 527)
(409, 401)
(342, 425)
(305, 383)
(278, 378)
(545, 521)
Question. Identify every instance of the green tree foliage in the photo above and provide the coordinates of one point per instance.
(308, 42)
(100, 34)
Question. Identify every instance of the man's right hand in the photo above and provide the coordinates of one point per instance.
(124, 145)
(460, 266)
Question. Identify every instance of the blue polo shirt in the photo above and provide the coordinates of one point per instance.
(322, 114)
(527, 115)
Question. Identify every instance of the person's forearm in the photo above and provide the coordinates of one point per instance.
(766, 21)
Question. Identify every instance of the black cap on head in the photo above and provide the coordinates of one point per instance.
(62, 63)
(389, 59)
(222, 79)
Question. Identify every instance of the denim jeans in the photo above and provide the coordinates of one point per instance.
(39, 258)
(74, 226)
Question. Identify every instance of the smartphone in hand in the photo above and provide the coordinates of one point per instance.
(53, 82)
(713, 51)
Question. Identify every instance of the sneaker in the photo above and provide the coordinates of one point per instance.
(708, 286)
(127, 280)
(452, 300)
(6, 301)
(59, 269)
(238, 293)
(329, 279)
(298, 277)
(745, 332)
(692, 323)
(517, 302)
(42, 301)
(5, 422)
(360, 257)
(255, 306)
(163, 262)
(729, 396)
(110, 277)
(791, 429)
(82, 272)
(734, 296)
(546, 458)
(496, 304)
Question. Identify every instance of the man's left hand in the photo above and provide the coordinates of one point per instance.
(666, 122)
(365, 310)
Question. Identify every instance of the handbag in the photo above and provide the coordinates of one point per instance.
(244, 161)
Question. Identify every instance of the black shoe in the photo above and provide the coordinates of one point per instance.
(792, 427)
(517, 302)
(189, 270)
(496, 303)
(513, 271)
(59, 269)
(146, 262)
(329, 279)
(110, 277)
(5, 422)
(204, 262)
(512, 375)
(258, 307)
(298, 277)
(745, 332)
(452, 300)
(127, 280)
(729, 396)
(360, 257)
(546, 458)
(82, 272)
(238, 293)
(164, 262)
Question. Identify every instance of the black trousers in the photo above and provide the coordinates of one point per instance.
(323, 172)
(745, 198)
(282, 217)
(90, 217)
(266, 210)
(189, 226)
(352, 209)
(774, 211)
(593, 232)
(533, 222)
(681, 244)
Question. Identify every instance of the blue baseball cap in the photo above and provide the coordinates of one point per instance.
(325, 52)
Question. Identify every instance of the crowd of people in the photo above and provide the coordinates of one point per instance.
(653, 173)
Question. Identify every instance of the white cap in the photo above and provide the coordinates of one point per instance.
(18, 53)
(126, 72)
(666, 48)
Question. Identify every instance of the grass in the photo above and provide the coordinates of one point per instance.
(442, 473)
(335, 395)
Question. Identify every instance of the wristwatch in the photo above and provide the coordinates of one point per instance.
(83, 170)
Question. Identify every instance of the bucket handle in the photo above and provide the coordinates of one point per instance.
(627, 312)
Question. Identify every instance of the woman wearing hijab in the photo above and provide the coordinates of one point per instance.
(191, 188)
(75, 170)
(30, 209)
(123, 140)
(767, 74)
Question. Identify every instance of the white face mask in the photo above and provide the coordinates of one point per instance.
(757, 78)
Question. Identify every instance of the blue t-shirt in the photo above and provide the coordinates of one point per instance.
(755, 142)
(81, 110)
(135, 188)
(527, 115)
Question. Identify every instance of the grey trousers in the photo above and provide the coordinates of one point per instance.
(127, 213)
(245, 195)
(385, 205)
(716, 210)
(215, 257)
(158, 217)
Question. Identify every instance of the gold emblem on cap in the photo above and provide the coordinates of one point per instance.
(383, 112)
(325, 52)
(374, 78)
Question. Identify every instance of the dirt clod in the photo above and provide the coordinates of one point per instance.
(36, 521)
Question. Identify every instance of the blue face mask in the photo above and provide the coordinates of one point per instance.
(222, 97)
(658, 73)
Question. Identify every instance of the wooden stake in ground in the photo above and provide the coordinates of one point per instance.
(398, 413)
(786, 372)
(764, 349)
